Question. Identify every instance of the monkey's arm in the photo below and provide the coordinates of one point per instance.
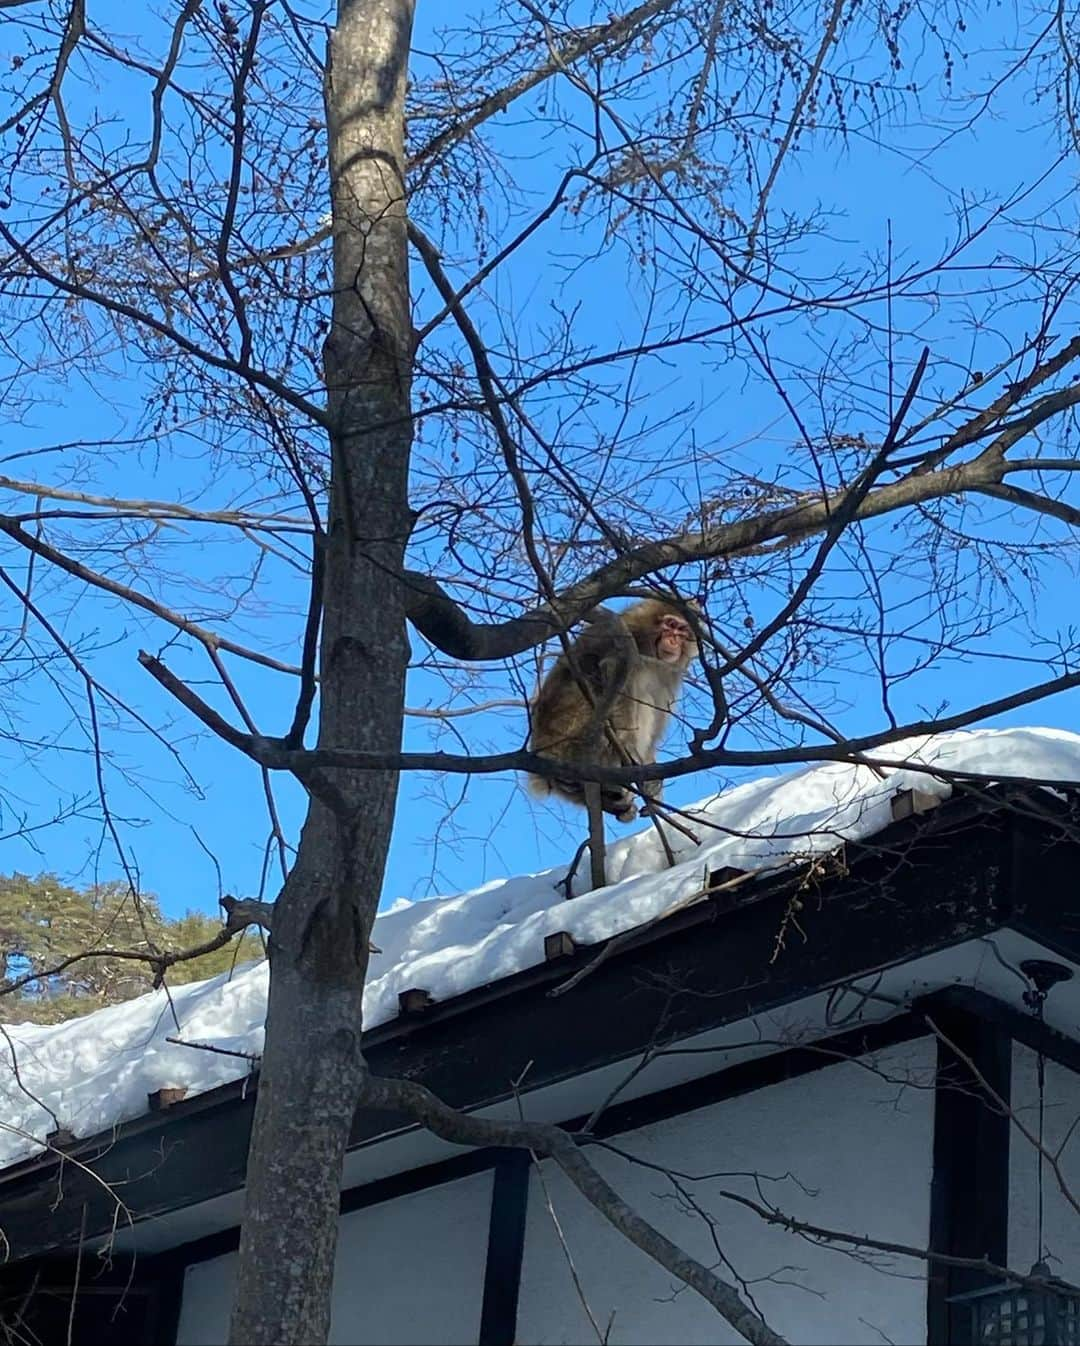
(608, 655)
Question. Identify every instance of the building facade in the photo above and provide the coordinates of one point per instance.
(824, 1083)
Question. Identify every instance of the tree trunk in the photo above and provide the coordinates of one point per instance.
(311, 1068)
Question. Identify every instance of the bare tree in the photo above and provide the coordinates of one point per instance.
(296, 249)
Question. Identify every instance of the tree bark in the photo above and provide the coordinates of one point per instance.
(311, 1072)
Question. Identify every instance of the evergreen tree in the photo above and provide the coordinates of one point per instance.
(44, 921)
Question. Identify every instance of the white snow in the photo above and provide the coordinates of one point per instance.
(95, 1072)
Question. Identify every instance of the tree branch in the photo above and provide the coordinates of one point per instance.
(39, 547)
(616, 30)
(158, 510)
(462, 1129)
(225, 363)
(1039, 504)
(240, 913)
(442, 621)
(310, 765)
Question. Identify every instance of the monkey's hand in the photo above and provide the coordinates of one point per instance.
(621, 804)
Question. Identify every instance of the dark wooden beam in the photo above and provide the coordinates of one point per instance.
(506, 1248)
(969, 1195)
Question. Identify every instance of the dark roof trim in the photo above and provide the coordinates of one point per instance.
(923, 884)
(1024, 1028)
(730, 1082)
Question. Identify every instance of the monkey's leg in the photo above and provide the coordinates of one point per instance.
(597, 845)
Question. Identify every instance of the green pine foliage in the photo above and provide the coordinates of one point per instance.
(195, 928)
(44, 921)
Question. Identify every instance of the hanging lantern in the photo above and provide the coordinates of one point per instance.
(1014, 1314)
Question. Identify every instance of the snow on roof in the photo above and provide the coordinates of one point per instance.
(91, 1073)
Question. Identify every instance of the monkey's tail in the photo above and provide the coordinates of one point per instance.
(539, 786)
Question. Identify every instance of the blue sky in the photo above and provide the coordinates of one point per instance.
(188, 844)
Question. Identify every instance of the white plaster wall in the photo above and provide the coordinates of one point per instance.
(860, 1141)
(408, 1271)
(207, 1301)
(1061, 1222)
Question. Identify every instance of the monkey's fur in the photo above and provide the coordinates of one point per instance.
(633, 664)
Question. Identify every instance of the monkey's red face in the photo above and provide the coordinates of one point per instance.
(673, 639)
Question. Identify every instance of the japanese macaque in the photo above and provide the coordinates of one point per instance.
(633, 664)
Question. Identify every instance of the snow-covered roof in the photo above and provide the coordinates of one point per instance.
(89, 1074)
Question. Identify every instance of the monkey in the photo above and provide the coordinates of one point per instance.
(633, 664)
